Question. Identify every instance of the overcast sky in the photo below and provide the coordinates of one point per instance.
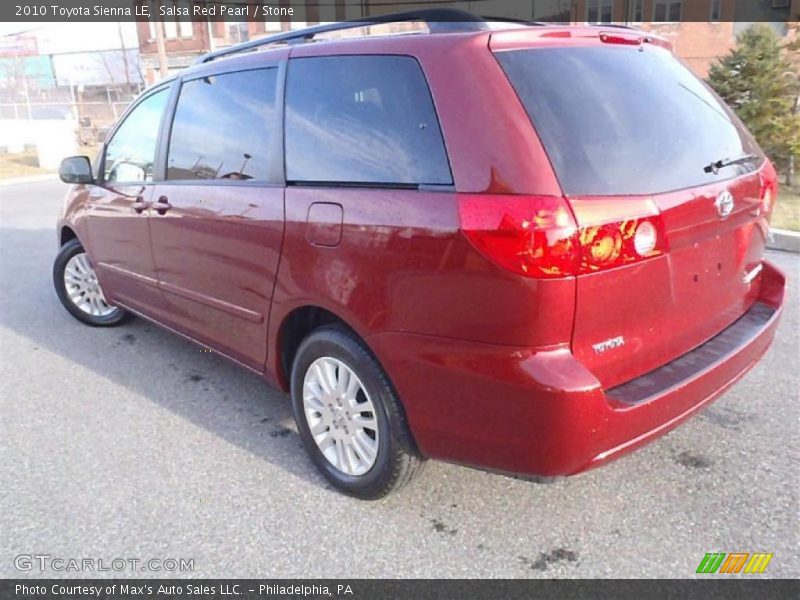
(9, 28)
(75, 37)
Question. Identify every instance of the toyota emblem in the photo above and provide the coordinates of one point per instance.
(724, 204)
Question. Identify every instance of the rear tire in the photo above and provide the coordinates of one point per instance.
(361, 442)
(78, 289)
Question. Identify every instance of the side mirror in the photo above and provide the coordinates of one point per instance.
(76, 169)
(127, 172)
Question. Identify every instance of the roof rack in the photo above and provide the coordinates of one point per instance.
(439, 20)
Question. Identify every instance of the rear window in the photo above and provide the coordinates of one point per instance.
(620, 121)
(363, 120)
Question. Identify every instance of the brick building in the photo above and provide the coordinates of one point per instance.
(189, 38)
(700, 30)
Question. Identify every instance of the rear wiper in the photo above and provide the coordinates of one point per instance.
(714, 167)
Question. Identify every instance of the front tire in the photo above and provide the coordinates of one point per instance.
(78, 289)
(349, 417)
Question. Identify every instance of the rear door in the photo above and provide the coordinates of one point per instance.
(217, 219)
(367, 234)
(631, 133)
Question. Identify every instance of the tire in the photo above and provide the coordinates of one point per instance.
(83, 299)
(375, 417)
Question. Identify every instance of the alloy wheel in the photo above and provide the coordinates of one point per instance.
(83, 289)
(340, 416)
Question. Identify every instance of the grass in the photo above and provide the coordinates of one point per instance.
(20, 164)
(786, 214)
(24, 164)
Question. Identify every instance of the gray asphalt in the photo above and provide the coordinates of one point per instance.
(130, 442)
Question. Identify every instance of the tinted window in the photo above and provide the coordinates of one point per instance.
(131, 152)
(362, 119)
(224, 127)
(624, 121)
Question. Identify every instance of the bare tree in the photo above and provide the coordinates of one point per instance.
(124, 55)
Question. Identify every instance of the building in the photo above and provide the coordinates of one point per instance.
(72, 54)
(188, 38)
(87, 71)
(699, 30)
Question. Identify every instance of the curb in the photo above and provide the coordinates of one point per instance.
(782, 239)
(28, 179)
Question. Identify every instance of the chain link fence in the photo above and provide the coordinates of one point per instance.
(94, 109)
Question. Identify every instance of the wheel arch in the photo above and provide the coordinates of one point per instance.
(294, 327)
(299, 323)
(66, 234)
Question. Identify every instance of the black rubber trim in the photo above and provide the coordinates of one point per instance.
(724, 344)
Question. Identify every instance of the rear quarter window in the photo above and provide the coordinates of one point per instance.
(223, 128)
(362, 120)
(623, 121)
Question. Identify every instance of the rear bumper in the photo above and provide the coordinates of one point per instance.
(540, 412)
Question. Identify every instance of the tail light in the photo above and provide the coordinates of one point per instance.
(769, 188)
(537, 236)
(621, 242)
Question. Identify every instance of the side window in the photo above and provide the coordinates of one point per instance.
(131, 152)
(362, 119)
(223, 127)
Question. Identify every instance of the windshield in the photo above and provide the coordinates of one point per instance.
(626, 121)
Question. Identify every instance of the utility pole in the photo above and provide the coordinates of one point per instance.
(210, 32)
(162, 49)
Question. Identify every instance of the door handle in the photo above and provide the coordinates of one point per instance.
(140, 204)
(163, 205)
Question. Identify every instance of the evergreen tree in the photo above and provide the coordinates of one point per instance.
(762, 86)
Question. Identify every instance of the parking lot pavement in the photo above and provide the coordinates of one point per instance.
(130, 442)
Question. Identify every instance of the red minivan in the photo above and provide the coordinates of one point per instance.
(527, 248)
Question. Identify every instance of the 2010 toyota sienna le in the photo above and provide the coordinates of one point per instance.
(526, 248)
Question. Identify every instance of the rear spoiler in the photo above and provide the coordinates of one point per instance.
(579, 35)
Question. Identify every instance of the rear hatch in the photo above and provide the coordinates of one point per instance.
(635, 137)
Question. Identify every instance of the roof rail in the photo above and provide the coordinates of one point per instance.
(439, 20)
